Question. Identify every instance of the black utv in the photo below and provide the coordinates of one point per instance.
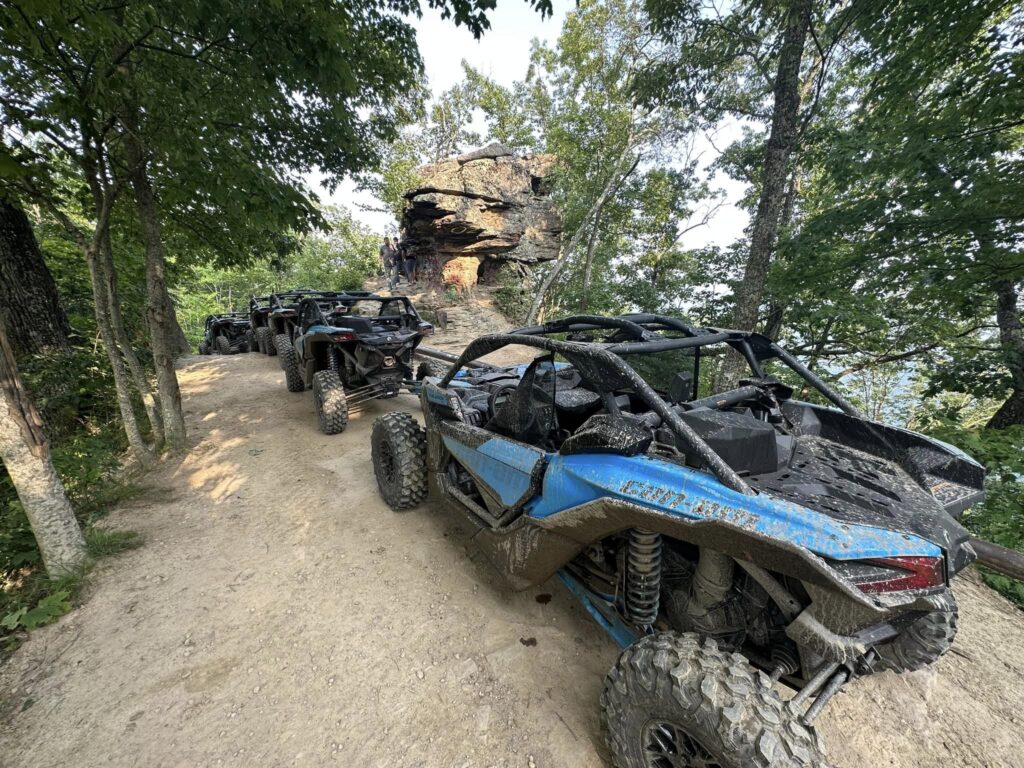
(259, 314)
(351, 347)
(279, 316)
(226, 334)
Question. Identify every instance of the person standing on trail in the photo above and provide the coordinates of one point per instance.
(409, 259)
(389, 260)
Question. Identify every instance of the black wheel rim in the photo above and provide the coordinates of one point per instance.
(387, 463)
(669, 745)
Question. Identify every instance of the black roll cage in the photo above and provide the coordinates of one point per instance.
(597, 361)
(349, 298)
(277, 300)
(231, 317)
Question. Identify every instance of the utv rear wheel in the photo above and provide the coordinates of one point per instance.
(204, 348)
(222, 345)
(399, 448)
(430, 368)
(924, 641)
(250, 341)
(331, 403)
(271, 349)
(675, 700)
(289, 363)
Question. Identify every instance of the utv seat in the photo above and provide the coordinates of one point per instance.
(359, 325)
(605, 433)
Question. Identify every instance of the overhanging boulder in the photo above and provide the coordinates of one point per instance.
(475, 212)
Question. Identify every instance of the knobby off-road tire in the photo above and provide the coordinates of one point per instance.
(331, 403)
(430, 368)
(289, 364)
(271, 349)
(924, 641)
(250, 341)
(222, 345)
(673, 696)
(399, 449)
(204, 348)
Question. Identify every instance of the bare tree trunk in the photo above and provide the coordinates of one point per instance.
(101, 301)
(103, 201)
(29, 304)
(26, 456)
(1011, 340)
(160, 310)
(614, 182)
(588, 266)
(782, 140)
(178, 342)
(108, 274)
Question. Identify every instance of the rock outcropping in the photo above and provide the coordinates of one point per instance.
(475, 213)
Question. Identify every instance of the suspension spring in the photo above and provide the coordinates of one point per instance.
(332, 360)
(643, 576)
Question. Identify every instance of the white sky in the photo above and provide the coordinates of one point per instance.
(503, 54)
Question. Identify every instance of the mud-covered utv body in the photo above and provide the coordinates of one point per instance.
(225, 334)
(356, 344)
(259, 323)
(818, 543)
(284, 309)
(272, 317)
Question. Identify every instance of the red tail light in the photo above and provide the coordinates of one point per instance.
(903, 573)
(346, 336)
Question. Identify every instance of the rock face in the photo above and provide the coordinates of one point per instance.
(477, 212)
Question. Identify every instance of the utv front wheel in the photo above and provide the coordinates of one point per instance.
(222, 345)
(399, 449)
(271, 349)
(204, 348)
(250, 341)
(924, 641)
(289, 363)
(675, 700)
(331, 403)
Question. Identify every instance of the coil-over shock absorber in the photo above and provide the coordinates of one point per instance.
(643, 576)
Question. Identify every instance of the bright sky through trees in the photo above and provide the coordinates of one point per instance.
(503, 55)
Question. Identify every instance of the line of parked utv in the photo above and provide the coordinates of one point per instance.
(734, 544)
(347, 346)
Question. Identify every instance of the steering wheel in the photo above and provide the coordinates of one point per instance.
(498, 398)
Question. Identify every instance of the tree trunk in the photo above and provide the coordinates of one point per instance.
(101, 307)
(1011, 341)
(178, 342)
(595, 210)
(108, 274)
(160, 311)
(29, 304)
(782, 139)
(588, 267)
(93, 249)
(26, 456)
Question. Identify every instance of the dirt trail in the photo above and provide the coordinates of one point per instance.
(280, 615)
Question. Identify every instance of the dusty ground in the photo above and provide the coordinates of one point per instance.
(279, 614)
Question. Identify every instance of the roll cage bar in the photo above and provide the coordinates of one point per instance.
(233, 317)
(601, 363)
(279, 300)
(349, 298)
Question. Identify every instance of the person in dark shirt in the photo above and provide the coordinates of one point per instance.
(391, 262)
(410, 265)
